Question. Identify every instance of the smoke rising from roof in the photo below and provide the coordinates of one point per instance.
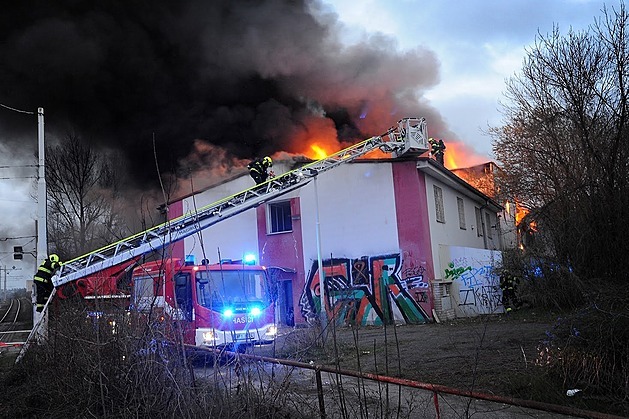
(251, 77)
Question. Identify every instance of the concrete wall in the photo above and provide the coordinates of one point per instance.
(477, 290)
(375, 262)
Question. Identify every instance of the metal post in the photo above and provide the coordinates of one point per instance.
(42, 241)
(322, 413)
(324, 317)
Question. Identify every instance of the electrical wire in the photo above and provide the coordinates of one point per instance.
(18, 177)
(17, 110)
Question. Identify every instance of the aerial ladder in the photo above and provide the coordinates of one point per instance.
(408, 138)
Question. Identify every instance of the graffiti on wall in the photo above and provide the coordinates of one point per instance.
(479, 286)
(367, 291)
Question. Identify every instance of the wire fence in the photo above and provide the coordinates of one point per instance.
(334, 384)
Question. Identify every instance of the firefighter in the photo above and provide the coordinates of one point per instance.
(437, 148)
(258, 169)
(43, 279)
(510, 301)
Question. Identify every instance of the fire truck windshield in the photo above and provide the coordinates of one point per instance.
(218, 288)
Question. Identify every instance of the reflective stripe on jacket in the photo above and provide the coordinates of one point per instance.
(45, 271)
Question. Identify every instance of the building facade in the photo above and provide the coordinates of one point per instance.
(385, 232)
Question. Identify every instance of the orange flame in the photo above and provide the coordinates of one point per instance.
(319, 152)
(459, 155)
(520, 213)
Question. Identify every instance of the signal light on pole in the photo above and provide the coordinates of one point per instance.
(18, 253)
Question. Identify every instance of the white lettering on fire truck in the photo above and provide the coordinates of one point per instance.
(243, 319)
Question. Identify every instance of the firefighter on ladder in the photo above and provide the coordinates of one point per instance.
(258, 169)
(43, 280)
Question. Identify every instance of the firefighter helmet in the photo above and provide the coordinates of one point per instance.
(267, 160)
(53, 258)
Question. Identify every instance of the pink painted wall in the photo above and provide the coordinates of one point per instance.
(284, 250)
(413, 228)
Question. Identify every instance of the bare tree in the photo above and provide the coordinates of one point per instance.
(83, 197)
(564, 145)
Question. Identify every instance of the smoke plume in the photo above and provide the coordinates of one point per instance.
(250, 77)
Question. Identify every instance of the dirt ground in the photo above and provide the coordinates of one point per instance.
(490, 353)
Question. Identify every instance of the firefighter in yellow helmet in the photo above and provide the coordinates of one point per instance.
(437, 148)
(258, 169)
(43, 279)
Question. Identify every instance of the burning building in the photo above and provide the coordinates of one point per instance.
(389, 230)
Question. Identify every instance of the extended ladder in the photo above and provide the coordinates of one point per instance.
(409, 137)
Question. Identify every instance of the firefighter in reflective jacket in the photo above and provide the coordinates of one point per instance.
(43, 279)
(437, 148)
(510, 301)
(258, 169)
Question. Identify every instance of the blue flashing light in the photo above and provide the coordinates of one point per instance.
(249, 259)
(228, 312)
(255, 311)
(189, 260)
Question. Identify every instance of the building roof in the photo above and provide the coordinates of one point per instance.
(438, 171)
(424, 164)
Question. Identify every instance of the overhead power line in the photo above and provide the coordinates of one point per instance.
(18, 177)
(15, 238)
(17, 110)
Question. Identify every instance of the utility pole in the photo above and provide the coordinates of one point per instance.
(42, 241)
(322, 293)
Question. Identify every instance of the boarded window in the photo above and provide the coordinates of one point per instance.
(441, 215)
(479, 222)
(488, 224)
(279, 217)
(461, 206)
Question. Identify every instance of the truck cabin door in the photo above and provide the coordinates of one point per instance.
(183, 295)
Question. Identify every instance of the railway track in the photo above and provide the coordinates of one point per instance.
(15, 322)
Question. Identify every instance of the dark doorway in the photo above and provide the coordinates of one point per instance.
(288, 315)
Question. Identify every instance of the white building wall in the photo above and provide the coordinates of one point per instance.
(356, 212)
(234, 237)
(449, 233)
(477, 290)
(356, 216)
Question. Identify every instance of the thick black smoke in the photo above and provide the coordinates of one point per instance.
(253, 77)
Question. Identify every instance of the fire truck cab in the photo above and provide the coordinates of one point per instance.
(220, 305)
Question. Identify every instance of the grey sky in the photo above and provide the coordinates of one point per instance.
(479, 43)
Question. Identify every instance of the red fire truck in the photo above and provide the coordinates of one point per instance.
(226, 304)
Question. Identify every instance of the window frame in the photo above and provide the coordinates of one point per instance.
(273, 222)
(461, 208)
(479, 222)
(440, 211)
